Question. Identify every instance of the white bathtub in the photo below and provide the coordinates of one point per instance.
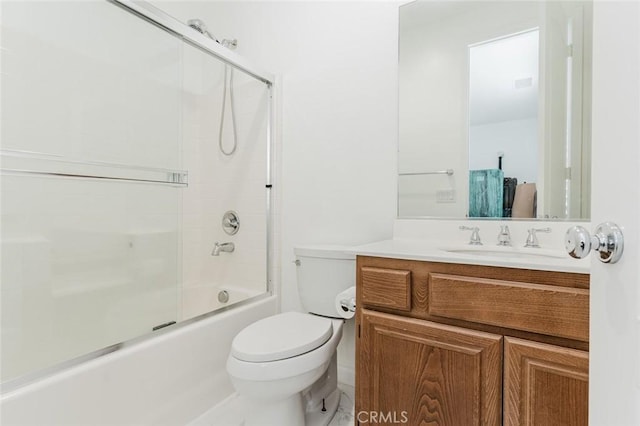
(201, 299)
(170, 379)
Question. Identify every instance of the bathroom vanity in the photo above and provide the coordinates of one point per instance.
(468, 344)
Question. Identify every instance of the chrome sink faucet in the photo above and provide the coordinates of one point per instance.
(532, 239)
(225, 247)
(504, 236)
(475, 235)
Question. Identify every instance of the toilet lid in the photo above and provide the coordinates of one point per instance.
(281, 336)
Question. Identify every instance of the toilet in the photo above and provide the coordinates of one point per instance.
(284, 366)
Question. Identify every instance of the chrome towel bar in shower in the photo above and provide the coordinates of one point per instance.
(15, 162)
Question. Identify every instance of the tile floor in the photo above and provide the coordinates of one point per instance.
(345, 414)
(230, 411)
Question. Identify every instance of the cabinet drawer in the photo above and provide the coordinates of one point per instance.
(544, 309)
(387, 288)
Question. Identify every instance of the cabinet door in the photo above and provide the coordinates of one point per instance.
(545, 384)
(423, 373)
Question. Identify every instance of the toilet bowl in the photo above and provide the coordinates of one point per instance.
(285, 365)
(274, 386)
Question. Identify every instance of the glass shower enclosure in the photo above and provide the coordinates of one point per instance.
(113, 186)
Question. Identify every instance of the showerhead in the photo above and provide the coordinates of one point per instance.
(200, 26)
(197, 24)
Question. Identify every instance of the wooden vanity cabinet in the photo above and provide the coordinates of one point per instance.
(429, 373)
(449, 344)
(544, 384)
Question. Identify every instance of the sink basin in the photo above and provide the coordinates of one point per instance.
(507, 252)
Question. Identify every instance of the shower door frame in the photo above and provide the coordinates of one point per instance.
(160, 19)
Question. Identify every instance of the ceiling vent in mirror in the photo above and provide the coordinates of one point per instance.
(523, 83)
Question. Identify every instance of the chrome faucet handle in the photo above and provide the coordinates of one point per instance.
(532, 239)
(504, 236)
(475, 235)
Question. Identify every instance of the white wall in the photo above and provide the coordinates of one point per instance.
(337, 63)
(517, 139)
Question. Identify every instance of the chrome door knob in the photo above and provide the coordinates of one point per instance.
(608, 241)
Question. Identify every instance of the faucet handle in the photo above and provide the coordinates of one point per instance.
(475, 235)
(532, 239)
(504, 236)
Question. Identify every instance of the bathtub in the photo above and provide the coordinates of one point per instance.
(201, 299)
(170, 379)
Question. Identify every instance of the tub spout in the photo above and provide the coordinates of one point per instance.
(226, 247)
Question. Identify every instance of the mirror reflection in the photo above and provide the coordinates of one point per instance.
(495, 110)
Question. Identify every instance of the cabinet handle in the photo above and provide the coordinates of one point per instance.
(608, 241)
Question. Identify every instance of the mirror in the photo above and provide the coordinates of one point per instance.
(495, 106)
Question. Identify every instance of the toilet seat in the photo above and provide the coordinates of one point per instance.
(281, 336)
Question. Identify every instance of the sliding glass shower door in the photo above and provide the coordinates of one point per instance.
(92, 180)
(105, 237)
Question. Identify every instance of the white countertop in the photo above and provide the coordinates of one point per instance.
(486, 255)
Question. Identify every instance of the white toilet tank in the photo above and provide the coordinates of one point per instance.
(322, 273)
